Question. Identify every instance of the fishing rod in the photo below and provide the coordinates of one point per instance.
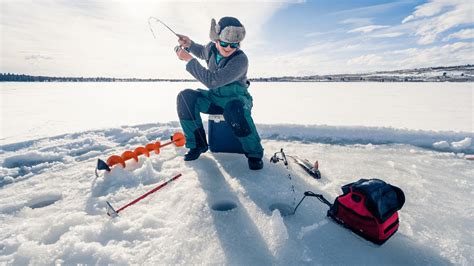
(164, 24)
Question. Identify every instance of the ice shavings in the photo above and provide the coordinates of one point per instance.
(277, 231)
(31, 159)
(462, 144)
(441, 145)
(307, 229)
(370, 135)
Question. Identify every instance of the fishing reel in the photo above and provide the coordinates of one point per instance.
(279, 156)
(177, 48)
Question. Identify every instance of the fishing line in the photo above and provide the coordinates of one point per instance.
(177, 35)
(162, 23)
(274, 159)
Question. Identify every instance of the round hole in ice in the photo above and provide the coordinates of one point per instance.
(224, 205)
(44, 201)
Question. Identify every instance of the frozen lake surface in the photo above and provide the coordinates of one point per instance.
(52, 207)
(34, 110)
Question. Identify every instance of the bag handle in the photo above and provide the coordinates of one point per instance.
(400, 196)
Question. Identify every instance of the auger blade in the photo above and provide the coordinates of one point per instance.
(101, 165)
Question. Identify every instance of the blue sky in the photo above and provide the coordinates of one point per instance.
(333, 20)
(112, 38)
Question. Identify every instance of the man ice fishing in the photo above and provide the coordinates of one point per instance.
(227, 94)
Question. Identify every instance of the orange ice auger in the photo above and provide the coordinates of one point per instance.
(177, 139)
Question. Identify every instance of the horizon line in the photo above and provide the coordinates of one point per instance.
(252, 78)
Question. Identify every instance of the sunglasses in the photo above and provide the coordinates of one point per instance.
(225, 44)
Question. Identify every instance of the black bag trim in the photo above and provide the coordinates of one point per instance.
(384, 189)
(359, 233)
(392, 225)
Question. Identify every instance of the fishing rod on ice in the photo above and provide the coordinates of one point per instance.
(311, 169)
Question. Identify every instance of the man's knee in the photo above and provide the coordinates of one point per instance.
(186, 102)
(234, 114)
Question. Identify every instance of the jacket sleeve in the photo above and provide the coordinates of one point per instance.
(200, 51)
(232, 71)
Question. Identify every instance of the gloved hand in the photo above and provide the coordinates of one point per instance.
(184, 41)
(183, 54)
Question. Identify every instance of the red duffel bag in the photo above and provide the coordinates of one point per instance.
(368, 207)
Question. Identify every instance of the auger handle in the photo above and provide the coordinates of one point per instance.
(178, 139)
(149, 193)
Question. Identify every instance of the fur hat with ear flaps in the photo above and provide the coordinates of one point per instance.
(228, 29)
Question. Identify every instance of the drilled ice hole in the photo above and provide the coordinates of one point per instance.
(44, 201)
(224, 205)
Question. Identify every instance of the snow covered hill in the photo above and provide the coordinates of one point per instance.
(52, 207)
(463, 73)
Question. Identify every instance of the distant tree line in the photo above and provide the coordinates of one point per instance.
(29, 78)
(407, 75)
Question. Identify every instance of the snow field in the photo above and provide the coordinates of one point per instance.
(84, 106)
(52, 207)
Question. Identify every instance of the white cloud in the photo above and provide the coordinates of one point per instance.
(462, 34)
(314, 34)
(366, 60)
(112, 38)
(437, 16)
(443, 55)
(387, 35)
(37, 57)
(357, 22)
(102, 38)
(427, 10)
(363, 54)
(334, 58)
(367, 29)
(368, 11)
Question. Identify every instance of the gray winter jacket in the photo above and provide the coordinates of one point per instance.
(232, 69)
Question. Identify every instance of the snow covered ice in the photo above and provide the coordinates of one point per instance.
(52, 207)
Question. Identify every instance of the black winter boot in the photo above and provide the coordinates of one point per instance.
(255, 163)
(201, 145)
(193, 154)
